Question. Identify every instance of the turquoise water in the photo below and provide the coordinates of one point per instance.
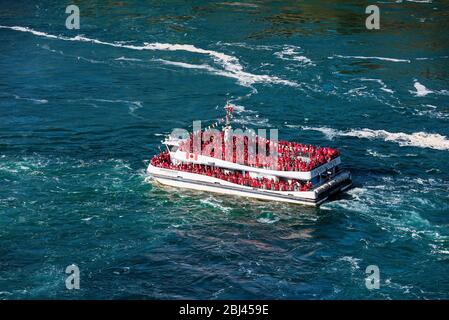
(81, 117)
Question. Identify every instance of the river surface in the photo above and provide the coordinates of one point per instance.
(83, 111)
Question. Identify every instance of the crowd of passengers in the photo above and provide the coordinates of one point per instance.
(162, 160)
(292, 156)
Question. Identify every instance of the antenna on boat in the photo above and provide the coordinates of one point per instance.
(229, 109)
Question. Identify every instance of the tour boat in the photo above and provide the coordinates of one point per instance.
(301, 173)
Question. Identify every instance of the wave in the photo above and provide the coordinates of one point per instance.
(377, 154)
(422, 91)
(244, 78)
(230, 64)
(132, 105)
(46, 47)
(370, 58)
(420, 1)
(244, 116)
(379, 81)
(216, 204)
(354, 262)
(36, 101)
(432, 58)
(122, 58)
(90, 60)
(407, 197)
(248, 117)
(388, 59)
(431, 111)
(239, 4)
(253, 120)
(417, 139)
(268, 220)
(290, 53)
(247, 46)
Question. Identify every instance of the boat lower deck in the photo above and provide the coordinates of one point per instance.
(204, 183)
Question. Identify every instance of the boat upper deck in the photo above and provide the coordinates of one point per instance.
(290, 160)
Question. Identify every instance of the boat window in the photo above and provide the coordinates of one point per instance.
(173, 148)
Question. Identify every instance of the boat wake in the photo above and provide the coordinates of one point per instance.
(406, 218)
(231, 66)
(33, 100)
(417, 139)
(245, 79)
(370, 58)
(122, 58)
(133, 106)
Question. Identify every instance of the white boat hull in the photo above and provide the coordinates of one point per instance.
(210, 184)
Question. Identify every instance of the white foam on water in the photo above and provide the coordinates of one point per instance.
(244, 78)
(387, 90)
(431, 58)
(420, 1)
(417, 139)
(359, 91)
(268, 220)
(408, 200)
(290, 53)
(90, 60)
(230, 64)
(376, 154)
(46, 47)
(132, 105)
(122, 58)
(370, 58)
(245, 117)
(35, 101)
(247, 46)
(135, 103)
(240, 108)
(188, 65)
(354, 262)
(421, 90)
(239, 4)
(379, 81)
(25, 29)
(252, 120)
(248, 117)
(213, 202)
(329, 133)
(431, 111)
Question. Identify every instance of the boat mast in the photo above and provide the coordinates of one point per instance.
(229, 108)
